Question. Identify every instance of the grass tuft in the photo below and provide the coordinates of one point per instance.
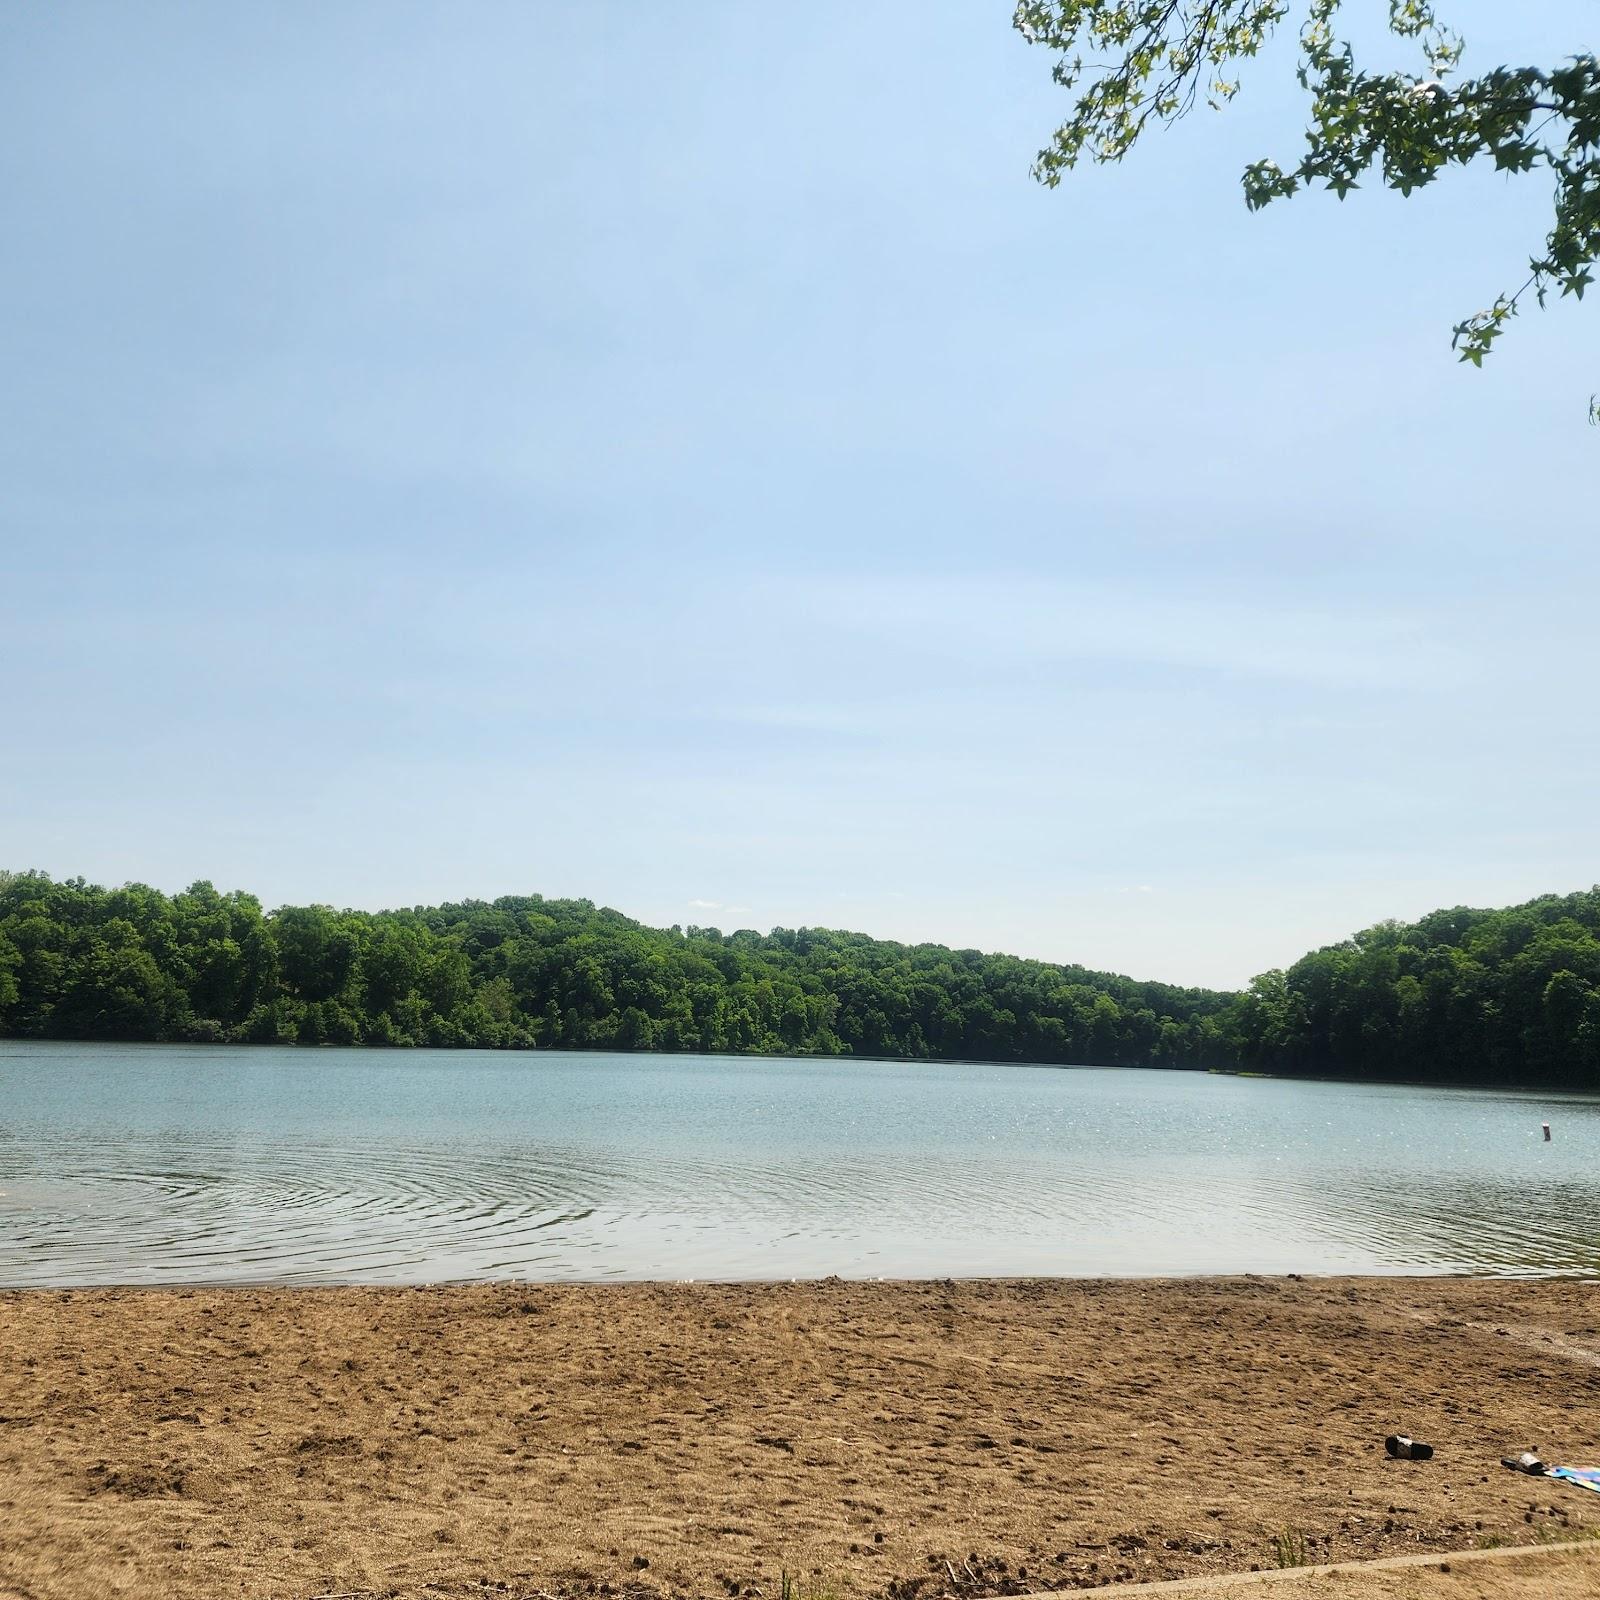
(1289, 1548)
(796, 1586)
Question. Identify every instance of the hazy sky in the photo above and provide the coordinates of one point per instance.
(674, 454)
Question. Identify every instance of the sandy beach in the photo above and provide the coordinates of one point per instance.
(879, 1439)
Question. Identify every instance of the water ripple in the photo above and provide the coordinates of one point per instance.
(189, 1166)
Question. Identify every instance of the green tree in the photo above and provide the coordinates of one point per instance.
(1133, 63)
(115, 991)
(10, 960)
(316, 950)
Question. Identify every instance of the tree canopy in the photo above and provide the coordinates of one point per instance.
(1133, 63)
(1462, 995)
(79, 961)
(1459, 996)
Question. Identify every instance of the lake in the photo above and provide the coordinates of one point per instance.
(147, 1164)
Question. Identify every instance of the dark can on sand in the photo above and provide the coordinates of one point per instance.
(1404, 1449)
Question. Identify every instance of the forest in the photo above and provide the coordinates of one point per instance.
(1507, 996)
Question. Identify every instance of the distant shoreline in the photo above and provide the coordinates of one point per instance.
(1566, 1091)
(1461, 997)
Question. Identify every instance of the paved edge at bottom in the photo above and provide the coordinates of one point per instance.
(1239, 1580)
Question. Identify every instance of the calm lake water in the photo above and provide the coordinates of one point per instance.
(152, 1164)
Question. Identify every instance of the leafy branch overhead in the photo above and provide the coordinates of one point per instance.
(1134, 62)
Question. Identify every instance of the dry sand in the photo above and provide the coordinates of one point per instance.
(899, 1440)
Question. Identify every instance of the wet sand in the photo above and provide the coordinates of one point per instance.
(901, 1440)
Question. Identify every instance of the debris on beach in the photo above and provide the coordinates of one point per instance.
(1579, 1477)
(1404, 1448)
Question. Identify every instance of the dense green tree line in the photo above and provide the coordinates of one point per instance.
(81, 962)
(1460, 996)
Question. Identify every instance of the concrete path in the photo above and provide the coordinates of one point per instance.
(1566, 1571)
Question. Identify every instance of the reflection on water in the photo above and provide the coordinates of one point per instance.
(144, 1164)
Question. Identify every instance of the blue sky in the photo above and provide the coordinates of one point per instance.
(674, 454)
